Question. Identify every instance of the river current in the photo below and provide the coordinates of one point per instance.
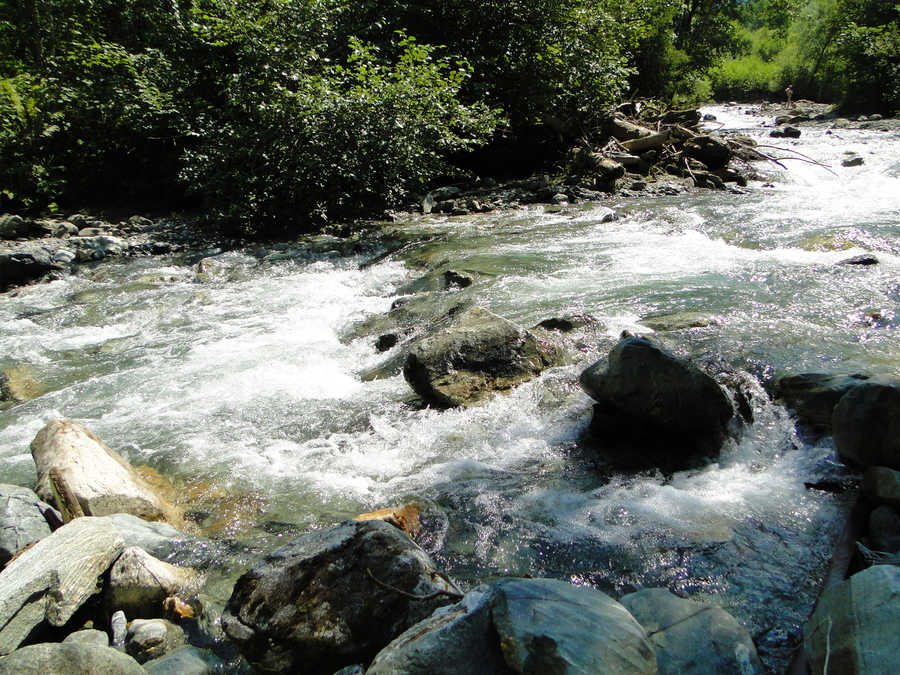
(245, 385)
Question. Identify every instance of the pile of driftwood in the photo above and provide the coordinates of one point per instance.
(649, 143)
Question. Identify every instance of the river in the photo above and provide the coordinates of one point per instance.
(245, 384)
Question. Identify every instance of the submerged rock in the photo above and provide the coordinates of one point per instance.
(52, 579)
(80, 475)
(333, 598)
(18, 384)
(523, 626)
(649, 398)
(692, 638)
(69, 659)
(854, 627)
(186, 660)
(478, 354)
(866, 425)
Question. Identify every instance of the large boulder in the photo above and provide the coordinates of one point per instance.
(79, 475)
(69, 659)
(13, 226)
(52, 579)
(649, 398)
(692, 638)
(139, 584)
(882, 486)
(866, 425)
(714, 152)
(24, 519)
(22, 267)
(855, 625)
(478, 354)
(811, 397)
(523, 626)
(333, 598)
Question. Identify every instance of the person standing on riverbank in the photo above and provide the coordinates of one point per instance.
(789, 92)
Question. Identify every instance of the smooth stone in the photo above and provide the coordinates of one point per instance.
(152, 638)
(23, 520)
(118, 626)
(159, 539)
(88, 636)
(884, 530)
(855, 624)
(139, 584)
(522, 626)
(866, 425)
(100, 481)
(52, 579)
(186, 660)
(662, 323)
(315, 605)
(691, 638)
(882, 485)
(69, 659)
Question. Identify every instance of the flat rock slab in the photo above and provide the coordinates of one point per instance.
(856, 625)
(53, 578)
(333, 598)
(691, 638)
(523, 626)
(69, 659)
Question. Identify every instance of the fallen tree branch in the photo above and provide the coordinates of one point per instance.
(430, 596)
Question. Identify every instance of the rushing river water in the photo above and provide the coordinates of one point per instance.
(245, 384)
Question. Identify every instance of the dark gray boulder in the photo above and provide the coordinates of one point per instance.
(866, 425)
(714, 152)
(478, 354)
(811, 397)
(884, 529)
(881, 485)
(22, 267)
(69, 659)
(650, 399)
(333, 598)
(23, 520)
(691, 638)
(523, 626)
(854, 626)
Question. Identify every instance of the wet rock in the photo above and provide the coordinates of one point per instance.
(853, 161)
(523, 626)
(328, 599)
(90, 248)
(79, 475)
(118, 629)
(662, 323)
(866, 425)
(714, 152)
(811, 397)
(645, 395)
(51, 580)
(152, 638)
(159, 539)
(865, 260)
(882, 485)
(386, 342)
(23, 520)
(478, 354)
(24, 266)
(18, 384)
(68, 659)
(88, 636)
(690, 637)
(854, 626)
(186, 660)
(566, 324)
(884, 530)
(785, 132)
(139, 584)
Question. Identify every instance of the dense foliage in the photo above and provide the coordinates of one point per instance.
(283, 114)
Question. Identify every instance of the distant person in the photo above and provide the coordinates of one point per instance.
(789, 92)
